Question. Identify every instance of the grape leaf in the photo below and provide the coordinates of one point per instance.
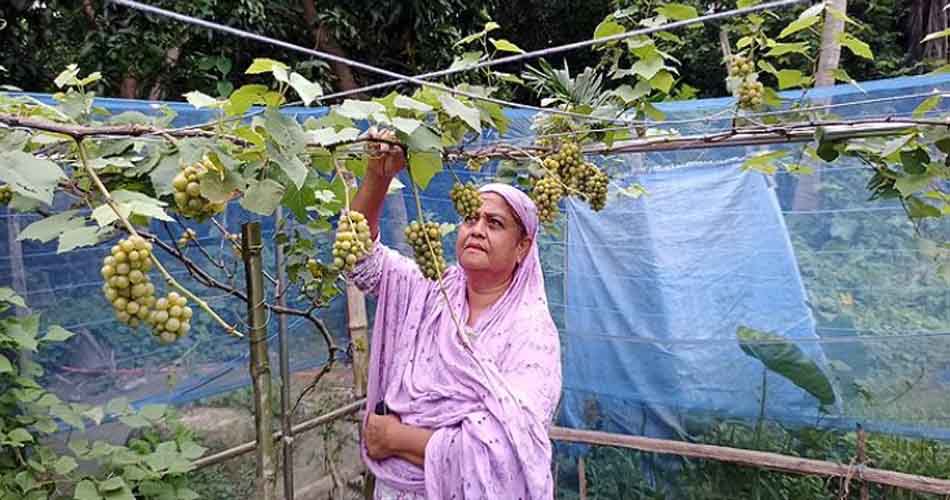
(677, 11)
(857, 47)
(505, 46)
(926, 106)
(662, 81)
(30, 176)
(200, 100)
(910, 184)
(404, 102)
(86, 490)
(5, 365)
(9, 296)
(763, 162)
(454, 107)
(648, 67)
(424, 165)
(788, 360)
(263, 197)
(65, 464)
(781, 49)
(264, 65)
(359, 110)
(788, 78)
(57, 333)
(307, 90)
(79, 237)
(608, 28)
(50, 228)
(243, 98)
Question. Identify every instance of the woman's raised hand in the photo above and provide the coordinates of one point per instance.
(386, 160)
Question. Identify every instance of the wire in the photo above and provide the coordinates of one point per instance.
(572, 46)
(399, 78)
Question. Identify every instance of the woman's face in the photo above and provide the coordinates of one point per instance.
(492, 242)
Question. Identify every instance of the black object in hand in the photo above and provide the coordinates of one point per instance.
(382, 409)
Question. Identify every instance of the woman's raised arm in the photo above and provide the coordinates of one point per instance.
(386, 161)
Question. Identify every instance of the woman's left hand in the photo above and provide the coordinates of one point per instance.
(378, 435)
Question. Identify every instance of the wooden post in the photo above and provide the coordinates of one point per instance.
(266, 474)
(358, 328)
(862, 459)
(287, 440)
(581, 478)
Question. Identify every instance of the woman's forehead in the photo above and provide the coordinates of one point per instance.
(494, 204)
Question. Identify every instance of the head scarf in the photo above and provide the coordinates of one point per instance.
(489, 394)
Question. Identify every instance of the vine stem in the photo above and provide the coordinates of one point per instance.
(169, 279)
(425, 234)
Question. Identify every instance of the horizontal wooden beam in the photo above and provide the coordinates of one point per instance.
(241, 449)
(757, 459)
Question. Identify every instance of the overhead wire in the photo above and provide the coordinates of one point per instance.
(420, 80)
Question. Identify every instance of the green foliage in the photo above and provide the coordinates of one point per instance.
(32, 418)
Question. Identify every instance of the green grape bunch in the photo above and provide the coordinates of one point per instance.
(568, 164)
(170, 318)
(594, 187)
(127, 285)
(6, 194)
(425, 238)
(749, 93)
(188, 197)
(739, 66)
(466, 199)
(353, 241)
(546, 194)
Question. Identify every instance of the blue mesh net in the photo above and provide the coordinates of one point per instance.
(648, 293)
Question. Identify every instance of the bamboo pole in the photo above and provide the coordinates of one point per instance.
(266, 473)
(245, 448)
(286, 425)
(581, 478)
(758, 459)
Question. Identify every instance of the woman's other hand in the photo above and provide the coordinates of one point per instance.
(379, 434)
(385, 160)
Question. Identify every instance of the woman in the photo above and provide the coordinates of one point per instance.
(466, 413)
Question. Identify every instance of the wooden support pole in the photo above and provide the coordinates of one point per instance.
(266, 473)
(581, 478)
(760, 459)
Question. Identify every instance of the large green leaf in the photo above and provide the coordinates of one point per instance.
(219, 188)
(785, 358)
(424, 165)
(30, 176)
(677, 11)
(359, 110)
(763, 162)
(468, 114)
(307, 90)
(409, 103)
(264, 65)
(263, 197)
(163, 174)
(285, 131)
(505, 46)
(5, 365)
(9, 296)
(50, 228)
(857, 47)
(608, 28)
(86, 490)
(648, 67)
(65, 464)
(57, 333)
(22, 331)
(780, 49)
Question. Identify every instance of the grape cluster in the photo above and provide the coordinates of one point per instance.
(6, 194)
(127, 285)
(547, 193)
(170, 318)
(430, 259)
(571, 170)
(188, 196)
(594, 187)
(353, 241)
(749, 93)
(739, 66)
(466, 199)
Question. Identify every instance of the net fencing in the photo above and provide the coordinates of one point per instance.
(648, 294)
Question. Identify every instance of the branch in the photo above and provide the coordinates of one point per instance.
(211, 282)
(169, 279)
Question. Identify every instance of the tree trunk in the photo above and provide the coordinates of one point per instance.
(171, 60)
(807, 191)
(830, 48)
(324, 40)
(129, 88)
(925, 17)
